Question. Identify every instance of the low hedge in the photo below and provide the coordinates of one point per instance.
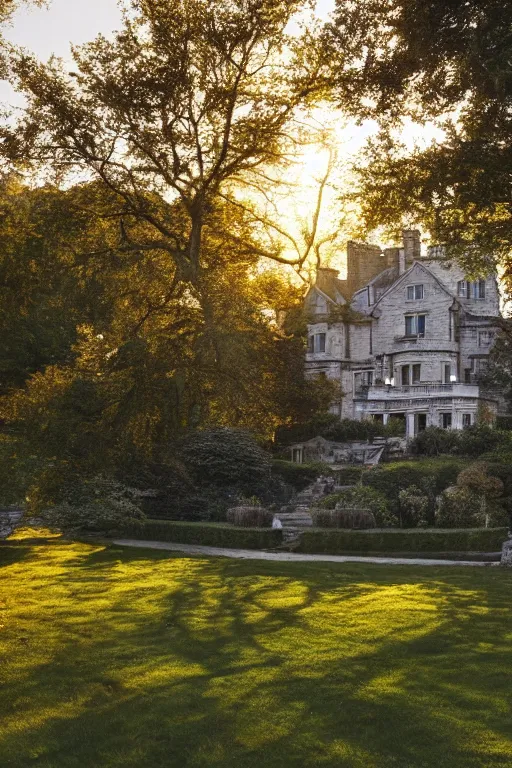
(335, 541)
(208, 534)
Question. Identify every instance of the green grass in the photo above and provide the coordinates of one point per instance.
(115, 657)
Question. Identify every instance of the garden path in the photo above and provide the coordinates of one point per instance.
(256, 554)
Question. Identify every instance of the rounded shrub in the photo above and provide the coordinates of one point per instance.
(225, 457)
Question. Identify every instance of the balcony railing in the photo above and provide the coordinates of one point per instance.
(426, 389)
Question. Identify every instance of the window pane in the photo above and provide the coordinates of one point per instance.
(320, 342)
(481, 289)
(416, 373)
(461, 288)
(410, 291)
(421, 325)
(405, 375)
(447, 371)
(410, 325)
(418, 291)
(446, 420)
(466, 419)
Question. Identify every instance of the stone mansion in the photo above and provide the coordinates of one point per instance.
(406, 336)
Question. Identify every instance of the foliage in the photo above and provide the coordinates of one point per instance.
(457, 187)
(299, 476)
(209, 534)
(477, 478)
(435, 441)
(361, 497)
(330, 426)
(250, 517)
(225, 457)
(99, 504)
(414, 506)
(432, 476)
(185, 101)
(459, 507)
(414, 541)
(343, 517)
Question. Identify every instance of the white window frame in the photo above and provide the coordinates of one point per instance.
(414, 325)
(413, 294)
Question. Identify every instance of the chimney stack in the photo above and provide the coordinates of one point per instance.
(412, 246)
(325, 277)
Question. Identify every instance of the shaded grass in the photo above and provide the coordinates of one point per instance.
(116, 657)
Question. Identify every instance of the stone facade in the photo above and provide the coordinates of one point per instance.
(409, 342)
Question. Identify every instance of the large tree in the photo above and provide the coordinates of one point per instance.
(449, 62)
(190, 99)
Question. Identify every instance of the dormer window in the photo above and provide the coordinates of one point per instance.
(415, 325)
(316, 342)
(415, 292)
(469, 290)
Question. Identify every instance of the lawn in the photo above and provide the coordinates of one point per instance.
(114, 657)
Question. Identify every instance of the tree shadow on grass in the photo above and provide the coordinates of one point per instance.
(178, 661)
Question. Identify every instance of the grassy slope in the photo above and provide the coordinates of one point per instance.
(137, 658)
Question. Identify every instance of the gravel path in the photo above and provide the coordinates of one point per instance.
(290, 557)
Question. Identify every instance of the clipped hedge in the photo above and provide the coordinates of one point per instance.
(208, 534)
(337, 542)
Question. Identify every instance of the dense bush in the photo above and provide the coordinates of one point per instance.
(361, 497)
(225, 457)
(340, 431)
(459, 508)
(98, 504)
(435, 441)
(299, 476)
(432, 476)
(431, 540)
(250, 517)
(343, 517)
(472, 441)
(209, 534)
(414, 506)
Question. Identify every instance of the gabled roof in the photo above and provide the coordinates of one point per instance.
(418, 266)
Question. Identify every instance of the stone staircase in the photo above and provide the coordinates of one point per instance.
(297, 518)
(9, 520)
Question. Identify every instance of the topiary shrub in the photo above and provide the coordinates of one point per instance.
(414, 506)
(343, 517)
(250, 517)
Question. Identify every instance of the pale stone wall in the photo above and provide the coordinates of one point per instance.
(458, 333)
